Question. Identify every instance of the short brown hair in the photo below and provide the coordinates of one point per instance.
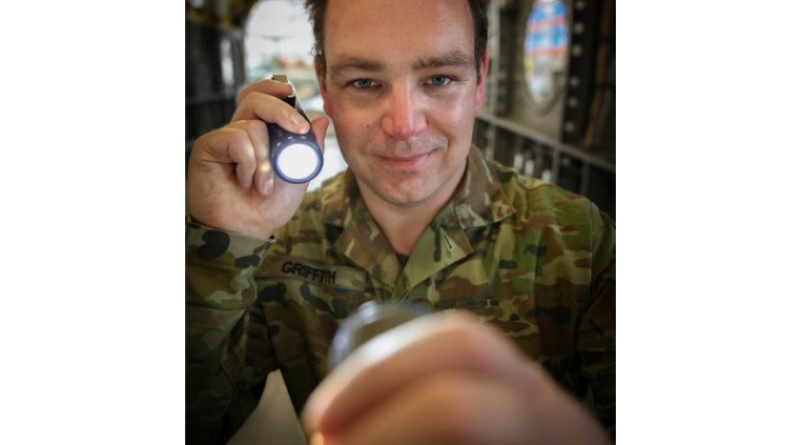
(477, 8)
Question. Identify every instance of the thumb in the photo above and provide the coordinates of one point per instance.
(320, 126)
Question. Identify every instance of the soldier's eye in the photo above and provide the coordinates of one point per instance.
(440, 81)
(362, 83)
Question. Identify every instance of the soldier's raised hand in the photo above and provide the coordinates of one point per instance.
(231, 184)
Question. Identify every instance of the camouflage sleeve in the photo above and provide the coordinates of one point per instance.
(596, 339)
(223, 385)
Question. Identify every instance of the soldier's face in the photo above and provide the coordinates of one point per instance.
(402, 90)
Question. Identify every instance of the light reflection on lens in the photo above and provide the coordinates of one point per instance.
(298, 161)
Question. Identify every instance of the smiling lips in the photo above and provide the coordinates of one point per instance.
(404, 162)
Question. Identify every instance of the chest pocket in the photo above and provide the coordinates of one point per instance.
(332, 290)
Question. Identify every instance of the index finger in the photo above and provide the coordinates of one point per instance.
(271, 109)
(266, 86)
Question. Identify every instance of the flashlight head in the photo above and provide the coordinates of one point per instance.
(371, 320)
(296, 158)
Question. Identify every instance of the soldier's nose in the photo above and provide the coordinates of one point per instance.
(404, 117)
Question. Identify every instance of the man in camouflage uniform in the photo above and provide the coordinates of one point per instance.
(534, 262)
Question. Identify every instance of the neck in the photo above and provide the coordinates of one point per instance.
(403, 225)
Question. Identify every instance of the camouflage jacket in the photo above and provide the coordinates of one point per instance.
(535, 261)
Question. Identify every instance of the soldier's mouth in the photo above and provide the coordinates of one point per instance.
(405, 162)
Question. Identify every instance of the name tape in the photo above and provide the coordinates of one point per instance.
(308, 272)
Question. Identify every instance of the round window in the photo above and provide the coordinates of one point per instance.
(545, 58)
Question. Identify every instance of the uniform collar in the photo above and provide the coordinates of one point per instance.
(478, 201)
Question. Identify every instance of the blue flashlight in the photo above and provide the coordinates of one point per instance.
(296, 158)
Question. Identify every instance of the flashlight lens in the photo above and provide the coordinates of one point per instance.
(298, 161)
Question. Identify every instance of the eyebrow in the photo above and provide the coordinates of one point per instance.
(350, 63)
(456, 59)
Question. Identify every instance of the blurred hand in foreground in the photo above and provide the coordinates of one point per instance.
(443, 379)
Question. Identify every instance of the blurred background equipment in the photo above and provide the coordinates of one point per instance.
(550, 94)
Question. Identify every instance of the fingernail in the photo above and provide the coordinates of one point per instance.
(268, 184)
(300, 124)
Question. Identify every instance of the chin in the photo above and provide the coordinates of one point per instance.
(407, 197)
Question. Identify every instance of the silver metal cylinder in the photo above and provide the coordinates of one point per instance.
(371, 320)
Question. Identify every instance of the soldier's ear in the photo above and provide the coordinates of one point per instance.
(480, 97)
(319, 69)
